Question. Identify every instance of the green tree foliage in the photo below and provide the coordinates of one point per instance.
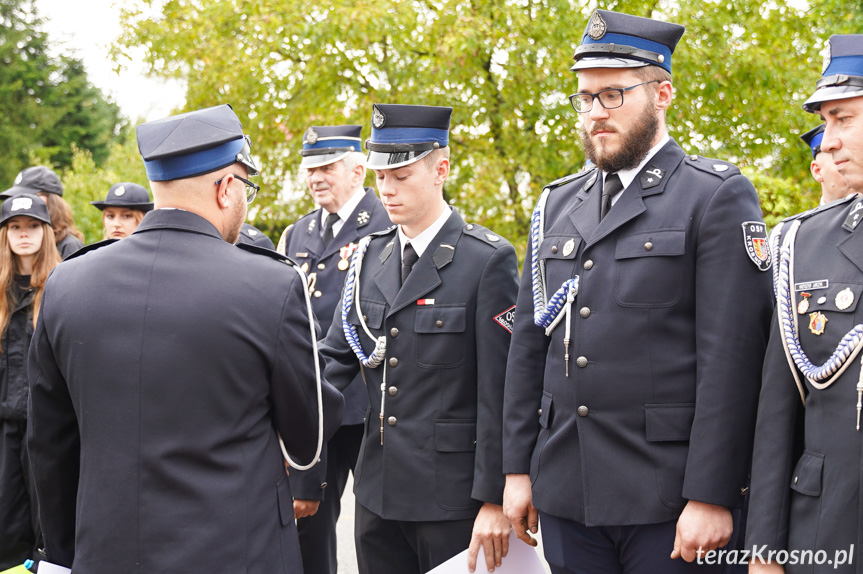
(48, 103)
(741, 72)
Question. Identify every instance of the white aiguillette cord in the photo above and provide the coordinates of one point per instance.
(317, 381)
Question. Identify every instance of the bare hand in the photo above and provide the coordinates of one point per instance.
(304, 508)
(491, 531)
(756, 567)
(701, 528)
(518, 507)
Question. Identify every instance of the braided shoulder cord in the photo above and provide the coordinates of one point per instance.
(352, 293)
(546, 314)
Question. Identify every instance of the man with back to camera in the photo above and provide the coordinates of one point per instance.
(425, 316)
(806, 481)
(163, 370)
(323, 242)
(634, 367)
(823, 168)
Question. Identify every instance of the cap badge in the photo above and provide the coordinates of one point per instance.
(19, 178)
(844, 299)
(597, 28)
(312, 136)
(19, 203)
(829, 50)
(120, 191)
(378, 118)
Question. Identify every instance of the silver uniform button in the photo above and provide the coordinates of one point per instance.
(584, 312)
(393, 391)
(394, 332)
(392, 421)
(539, 412)
(648, 246)
(322, 266)
(394, 362)
(554, 249)
(318, 294)
(438, 323)
(581, 361)
(588, 264)
(583, 411)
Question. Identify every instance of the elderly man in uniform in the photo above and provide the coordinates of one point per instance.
(823, 168)
(164, 372)
(426, 317)
(634, 368)
(806, 472)
(323, 242)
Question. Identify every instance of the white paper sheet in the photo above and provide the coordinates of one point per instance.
(48, 568)
(521, 559)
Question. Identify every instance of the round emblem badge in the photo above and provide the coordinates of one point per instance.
(597, 27)
(844, 299)
(312, 136)
(120, 191)
(803, 306)
(378, 118)
(343, 265)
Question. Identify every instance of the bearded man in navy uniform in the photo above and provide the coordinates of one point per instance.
(633, 373)
(165, 368)
(806, 471)
(323, 242)
(425, 316)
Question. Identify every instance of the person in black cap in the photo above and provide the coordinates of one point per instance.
(644, 305)
(42, 181)
(27, 255)
(323, 242)
(808, 457)
(166, 369)
(425, 316)
(123, 209)
(823, 168)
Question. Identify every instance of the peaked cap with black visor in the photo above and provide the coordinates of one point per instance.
(842, 77)
(404, 134)
(323, 145)
(194, 143)
(616, 40)
(813, 139)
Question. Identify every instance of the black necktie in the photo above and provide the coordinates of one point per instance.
(611, 188)
(409, 257)
(328, 228)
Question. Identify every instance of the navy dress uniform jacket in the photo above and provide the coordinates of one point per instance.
(807, 465)
(445, 365)
(302, 242)
(161, 368)
(668, 334)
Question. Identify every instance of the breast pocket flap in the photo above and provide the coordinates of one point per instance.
(434, 319)
(667, 242)
(455, 436)
(373, 313)
(558, 247)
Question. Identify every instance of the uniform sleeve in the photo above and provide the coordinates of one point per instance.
(498, 290)
(525, 370)
(777, 431)
(732, 317)
(293, 382)
(53, 443)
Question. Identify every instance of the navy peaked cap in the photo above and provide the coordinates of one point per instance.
(193, 144)
(813, 139)
(842, 77)
(403, 134)
(617, 40)
(323, 145)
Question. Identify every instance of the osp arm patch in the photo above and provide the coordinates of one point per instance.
(757, 245)
(506, 319)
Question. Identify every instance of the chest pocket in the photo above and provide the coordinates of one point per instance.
(840, 311)
(440, 340)
(558, 253)
(650, 268)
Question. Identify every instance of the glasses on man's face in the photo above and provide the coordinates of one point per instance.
(610, 99)
(251, 188)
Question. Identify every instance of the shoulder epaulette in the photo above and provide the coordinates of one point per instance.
(91, 247)
(717, 167)
(383, 232)
(485, 235)
(569, 178)
(268, 252)
(822, 208)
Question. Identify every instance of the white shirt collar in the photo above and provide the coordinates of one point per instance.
(344, 212)
(424, 239)
(627, 175)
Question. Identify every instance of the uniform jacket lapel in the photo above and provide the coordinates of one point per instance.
(585, 215)
(389, 277)
(352, 228)
(314, 242)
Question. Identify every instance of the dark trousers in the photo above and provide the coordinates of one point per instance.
(400, 547)
(18, 518)
(318, 532)
(573, 548)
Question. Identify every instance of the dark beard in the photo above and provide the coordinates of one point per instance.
(634, 145)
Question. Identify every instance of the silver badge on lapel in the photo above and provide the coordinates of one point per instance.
(568, 247)
(651, 177)
(363, 217)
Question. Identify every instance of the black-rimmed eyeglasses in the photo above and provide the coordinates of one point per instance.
(251, 188)
(610, 99)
